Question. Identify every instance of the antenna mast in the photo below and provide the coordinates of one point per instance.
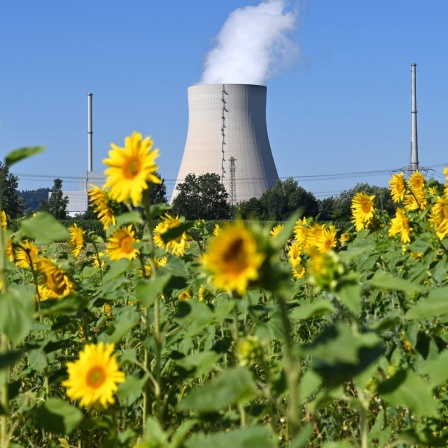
(89, 133)
(232, 181)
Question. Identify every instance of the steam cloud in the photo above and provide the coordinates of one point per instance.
(252, 45)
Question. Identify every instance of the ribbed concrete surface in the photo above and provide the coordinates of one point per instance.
(245, 137)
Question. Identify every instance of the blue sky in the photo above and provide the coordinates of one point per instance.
(340, 114)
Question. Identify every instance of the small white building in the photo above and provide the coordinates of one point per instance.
(78, 201)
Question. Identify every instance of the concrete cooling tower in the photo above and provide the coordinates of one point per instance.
(227, 135)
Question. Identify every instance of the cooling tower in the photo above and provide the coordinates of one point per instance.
(227, 135)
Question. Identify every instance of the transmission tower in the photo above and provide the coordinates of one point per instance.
(223, 133)
(232, 181)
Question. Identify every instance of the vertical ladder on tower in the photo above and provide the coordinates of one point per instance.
(223, 132)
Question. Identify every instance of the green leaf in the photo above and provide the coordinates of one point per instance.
(8, 358)
(385, 280)
(59, 417)
(341, 355)
(317, 308)
(202, 362)
(435, 305)
(133, 217)
(420, 437)
(350, 295)
(37, 360)
(16, 313)
(129, 391)
(233, 386)
(116, 269)
(22, 153)
(252, 436)
(309, 382)
(407, 389)
(124, 322)
(175, 232)
(44, 229)
(435, 369)
(176, 267)
(302, 438)
(147, 291)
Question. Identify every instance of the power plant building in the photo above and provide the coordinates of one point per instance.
(227, 135)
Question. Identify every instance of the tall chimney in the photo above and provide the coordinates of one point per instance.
(89, 133)
(413, 165)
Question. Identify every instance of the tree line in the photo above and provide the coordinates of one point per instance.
(205, 197)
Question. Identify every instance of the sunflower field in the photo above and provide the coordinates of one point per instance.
(164, 334)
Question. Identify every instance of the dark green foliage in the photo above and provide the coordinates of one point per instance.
(157, 192)
(32, 198)
(202, 197)
(12, 202)
(57, 202)
(280, 201)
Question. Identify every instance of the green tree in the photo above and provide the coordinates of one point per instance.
(202, 197)
(57, 203)
(287, 196)
(326, 208)
(251, 209)
(157, 192)
(12, 202)
(383, 200)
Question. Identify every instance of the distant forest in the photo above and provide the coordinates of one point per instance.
(32, 198)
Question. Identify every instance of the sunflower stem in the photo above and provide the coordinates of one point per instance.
(156, 331)
(4, 438)
(293, 372)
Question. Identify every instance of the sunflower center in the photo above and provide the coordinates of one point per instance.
(235, 255)
(366, 206)
(96, 377)
(132, 168)
(126, 245)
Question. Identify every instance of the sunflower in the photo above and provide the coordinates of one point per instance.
(184, 295)
(326, 239)
(159, 262)
(4, 219)
(397, 187)
(439, 217)
(26, 254)
(276, 230)
(102, 206)
(93, 378)
(345, 238)
(131, 168)
(416, 181)
(416, 200)
(216, 230)
(298, 272)
(77, 241)
(400, 226)
(176, 246)
(98, 260)
(10, 250)
(294, 253)
(53, 281)
(233, 258)
(120, 244)
(363, 210)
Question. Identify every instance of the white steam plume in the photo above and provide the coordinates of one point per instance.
(252, 45)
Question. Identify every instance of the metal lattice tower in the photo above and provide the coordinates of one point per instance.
(232, 181)
(223, 133)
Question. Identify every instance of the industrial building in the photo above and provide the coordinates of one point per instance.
(227, 135)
